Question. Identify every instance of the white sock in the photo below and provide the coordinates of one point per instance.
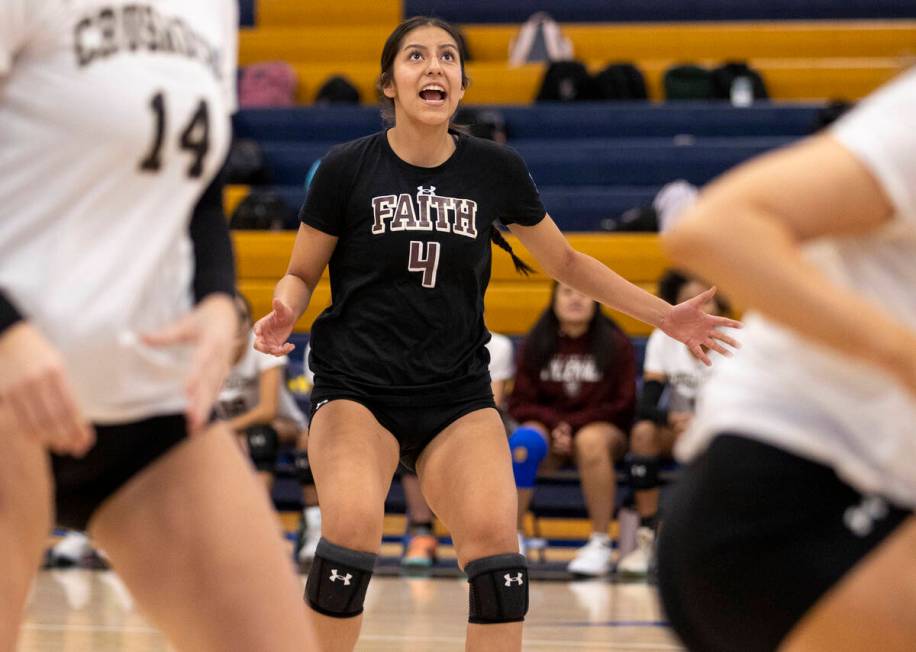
(312, 517)
(600, 537)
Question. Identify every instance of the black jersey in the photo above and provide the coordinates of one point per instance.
(411, 266)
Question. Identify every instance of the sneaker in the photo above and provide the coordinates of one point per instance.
(70, 550)
(593, 559)
(421, 551)
(637, 562)
(309, 535)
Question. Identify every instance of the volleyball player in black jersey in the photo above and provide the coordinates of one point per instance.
(405, 218)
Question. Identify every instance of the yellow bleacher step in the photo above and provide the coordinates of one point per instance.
(512, 303)
(779, 39)
(284, 13)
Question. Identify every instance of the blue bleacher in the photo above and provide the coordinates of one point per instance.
(631, 162)
(517, 11)
(549, 120)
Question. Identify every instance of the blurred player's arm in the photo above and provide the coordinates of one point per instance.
(214, 269)
(745, 234)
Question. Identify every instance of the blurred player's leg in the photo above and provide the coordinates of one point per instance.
(466, 475)
(25, 519)
(220, 580)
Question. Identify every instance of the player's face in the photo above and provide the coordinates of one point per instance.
(690, 289)
(572, 307)
(426, 84)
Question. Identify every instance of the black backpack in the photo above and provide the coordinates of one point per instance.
(620, 81)
(337, 90)
(483, 123)
(245, 163)
(566, 81)
(262, 210)
(687, 82)
(724, 77)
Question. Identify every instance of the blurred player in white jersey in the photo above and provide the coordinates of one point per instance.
(117, 322)
(793, 527)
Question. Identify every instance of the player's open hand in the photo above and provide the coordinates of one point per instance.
(272, 332)
(699, 331)
(36, 394)
(211, 329)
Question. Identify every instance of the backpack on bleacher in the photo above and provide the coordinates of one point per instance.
(726, 84)
(539, 39)
(262, 210)
(267, 85)
(245, 163)
(688, 82)
(337, 90)
(566, 81)
(620, 81)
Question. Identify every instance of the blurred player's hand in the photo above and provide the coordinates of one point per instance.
(272, 332)
(36, 393)
(561, 439)
(211, 328)
(687, 323)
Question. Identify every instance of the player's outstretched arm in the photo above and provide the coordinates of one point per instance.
(685, 322)
(311, 253)
(746, 234)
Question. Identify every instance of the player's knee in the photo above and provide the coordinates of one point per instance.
(353, 525)
(644, 438)
(338, 580)
(643, 471)
(498, 589)
(528, 450)
(263, 443)
(303, 468)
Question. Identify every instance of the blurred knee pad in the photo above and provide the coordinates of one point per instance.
(303, 468)
(643, 471)
(263, 443)
(528, 449)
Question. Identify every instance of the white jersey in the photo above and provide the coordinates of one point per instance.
(685, 374)
(502, 358)
(114, 117)
(241, 391)
(810, 400)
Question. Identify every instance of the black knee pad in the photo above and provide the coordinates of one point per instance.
(338, 580)
(303, 469)
(263, 443)
(499, 589)
(643, 471)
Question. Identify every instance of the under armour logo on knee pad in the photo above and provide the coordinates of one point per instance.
(346, 578)
(513, 580)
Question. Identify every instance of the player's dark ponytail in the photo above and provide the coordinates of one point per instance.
(520, 265)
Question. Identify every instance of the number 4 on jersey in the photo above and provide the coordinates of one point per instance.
(426, 261)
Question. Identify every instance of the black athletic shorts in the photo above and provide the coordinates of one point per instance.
(413, 426)
(753, 537)
(120, 452)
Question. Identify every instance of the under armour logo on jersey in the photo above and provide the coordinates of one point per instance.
(639, 470)
(514, 580)
(860, 519)
(426, 191)
(344, 578)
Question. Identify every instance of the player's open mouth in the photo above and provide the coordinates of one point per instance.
(433, 94)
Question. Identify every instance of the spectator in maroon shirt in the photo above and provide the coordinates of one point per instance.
(575, 389)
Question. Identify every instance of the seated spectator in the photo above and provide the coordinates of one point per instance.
(574, 397)
(420, 550)
(671, 380)
(255, 402)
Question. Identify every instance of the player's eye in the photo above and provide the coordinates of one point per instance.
(415, 55)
